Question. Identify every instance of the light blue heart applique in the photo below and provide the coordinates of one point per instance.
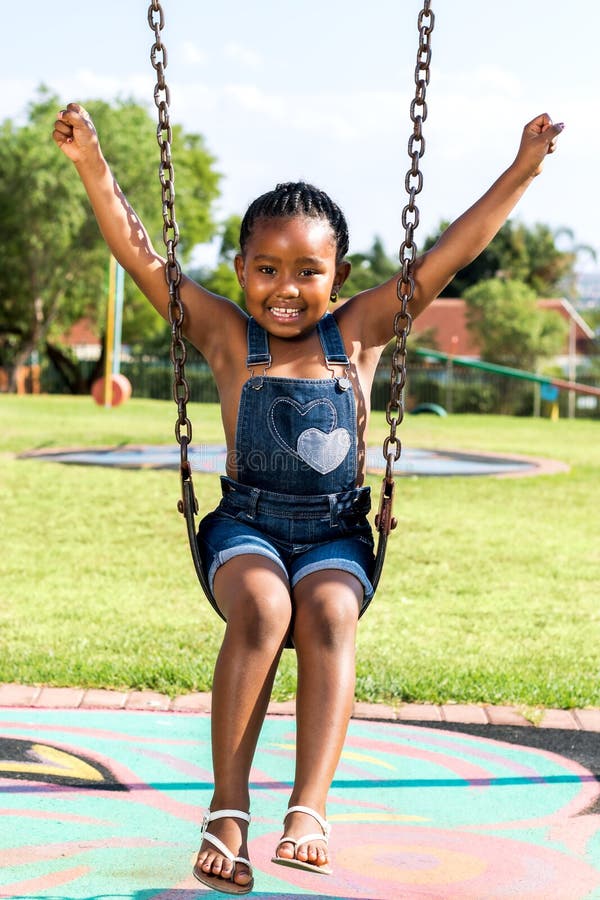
(321, 445)
(323, 451)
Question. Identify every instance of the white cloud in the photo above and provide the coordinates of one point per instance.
(17, 94)
(192, 55)
(363, 115)
(86, 84)
(243, 55)
(251, 98)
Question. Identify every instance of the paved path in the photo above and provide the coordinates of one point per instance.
(16, 695)
(102, 794)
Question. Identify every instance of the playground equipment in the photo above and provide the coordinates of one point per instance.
(113, 388)
(560, 383)
(550, 386)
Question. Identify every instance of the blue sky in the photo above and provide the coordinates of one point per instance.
(321, 90)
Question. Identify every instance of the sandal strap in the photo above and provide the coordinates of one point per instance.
(210, 816)
(318, 818)
(305, 839)
(221, 847)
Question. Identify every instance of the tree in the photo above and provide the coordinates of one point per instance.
(53, 261)
(568, 285)
(222, 279)
(510, 328)
(521, 253)
(369, 269)
(37, 231)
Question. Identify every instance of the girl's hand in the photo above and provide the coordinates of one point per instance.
(75, 134)
(539, 138)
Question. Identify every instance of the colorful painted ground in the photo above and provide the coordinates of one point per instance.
(101, 805)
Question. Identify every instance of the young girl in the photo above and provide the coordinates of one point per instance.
(289, 551)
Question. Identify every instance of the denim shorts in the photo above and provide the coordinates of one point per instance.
(301, 534)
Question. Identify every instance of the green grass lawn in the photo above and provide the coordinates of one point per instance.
(490, 592)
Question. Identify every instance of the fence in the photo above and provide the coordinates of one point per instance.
(456, 389)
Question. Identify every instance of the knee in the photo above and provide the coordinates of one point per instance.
(327, 617)
(253, 596)
(259, 621)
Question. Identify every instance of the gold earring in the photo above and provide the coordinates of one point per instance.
(334, 296)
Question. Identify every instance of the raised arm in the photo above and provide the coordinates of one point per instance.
(125, 234)
(465, 239)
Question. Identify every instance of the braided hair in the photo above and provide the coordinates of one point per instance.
(297, 198)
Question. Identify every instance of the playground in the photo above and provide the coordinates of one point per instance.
(480, 548)
(105, 804)
(470, 768)
(429, 800)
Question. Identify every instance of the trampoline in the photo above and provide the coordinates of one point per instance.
(212, 458)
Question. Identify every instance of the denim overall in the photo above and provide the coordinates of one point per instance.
(294, 500)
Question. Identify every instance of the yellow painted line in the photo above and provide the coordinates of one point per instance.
(54, 762)
(350, 754)
(363, 757)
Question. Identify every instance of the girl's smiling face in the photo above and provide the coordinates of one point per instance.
(288, 273)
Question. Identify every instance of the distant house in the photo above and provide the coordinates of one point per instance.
(83, 340)
(447, 321)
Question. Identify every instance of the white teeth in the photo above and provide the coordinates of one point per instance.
(288, 313)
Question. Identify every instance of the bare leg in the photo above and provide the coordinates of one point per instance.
(327, 605)
(253, 594)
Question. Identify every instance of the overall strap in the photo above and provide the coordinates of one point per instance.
(331, 341)
(329, 335)
(258, 345)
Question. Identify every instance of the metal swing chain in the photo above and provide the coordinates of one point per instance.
(392, 445)
(173, 274)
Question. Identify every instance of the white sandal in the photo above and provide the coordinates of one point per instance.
(218, 882)
(305, 839)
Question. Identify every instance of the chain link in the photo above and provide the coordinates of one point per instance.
(392, 445)
(173, 275)
(394, 413)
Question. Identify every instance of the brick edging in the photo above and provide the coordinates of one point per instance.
(39, 697)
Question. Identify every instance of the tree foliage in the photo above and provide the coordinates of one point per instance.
(53, 261)
(369, 269)
(518, 252)
(222, 279)
(500, 287)
(521, 253)
(510, 328)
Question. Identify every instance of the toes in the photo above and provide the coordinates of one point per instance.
(211, 863)
(223, 867)
(286, 851)
(205, 861)
(316, 855)
(322, 858)
(214, 864)
(242, 876)
(312, 854)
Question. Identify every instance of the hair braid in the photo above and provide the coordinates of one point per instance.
(297, 198)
